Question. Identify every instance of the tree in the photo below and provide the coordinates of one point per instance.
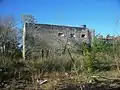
(8, 36)
(28, 19)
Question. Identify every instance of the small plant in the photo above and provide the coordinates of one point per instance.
(89, 57)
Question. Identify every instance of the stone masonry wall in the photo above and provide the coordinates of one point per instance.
(56, 36)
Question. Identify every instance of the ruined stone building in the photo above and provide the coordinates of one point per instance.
(57, 36)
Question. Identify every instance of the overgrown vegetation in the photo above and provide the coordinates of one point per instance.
(101, 55)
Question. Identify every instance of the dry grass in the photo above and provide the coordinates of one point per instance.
(57, 78)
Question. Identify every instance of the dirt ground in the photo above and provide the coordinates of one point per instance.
(67, 81)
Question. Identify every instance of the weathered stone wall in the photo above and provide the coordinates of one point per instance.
(57, 36)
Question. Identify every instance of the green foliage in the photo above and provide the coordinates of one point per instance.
(97, 57)
(69, 58)
(89, 57)
(101, 45)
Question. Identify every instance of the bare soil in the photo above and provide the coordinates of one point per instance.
(64, 81)
(22, 85)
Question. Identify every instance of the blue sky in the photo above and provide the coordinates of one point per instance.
(98, 14)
